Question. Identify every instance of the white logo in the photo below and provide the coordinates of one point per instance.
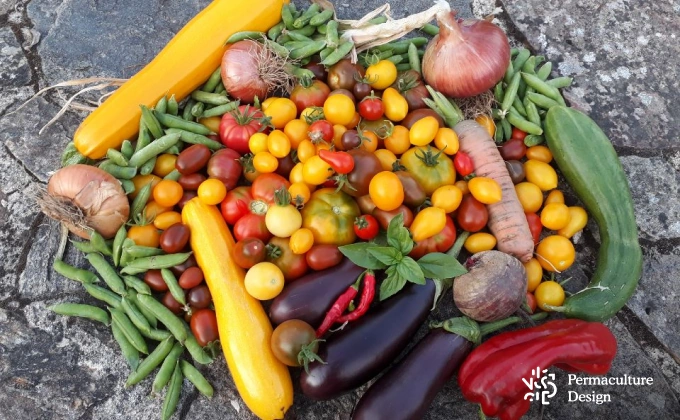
(539, 390)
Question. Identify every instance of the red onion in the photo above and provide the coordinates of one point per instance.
(466, 58)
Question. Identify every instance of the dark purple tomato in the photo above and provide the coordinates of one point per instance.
(181, 268)
(170, 303)
(193, 159)
(191, 182)
(155, 281)
(199, 297)
(192, 277)
(204, 326)
(175, 238)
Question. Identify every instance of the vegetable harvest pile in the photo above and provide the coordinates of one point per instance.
(302, 196)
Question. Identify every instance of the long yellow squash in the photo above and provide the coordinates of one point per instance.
(185, 62)
(245, 330)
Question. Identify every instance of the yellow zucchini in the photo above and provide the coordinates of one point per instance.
(185, 62)
(245, 330)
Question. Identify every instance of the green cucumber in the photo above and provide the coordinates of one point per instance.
(589, 163)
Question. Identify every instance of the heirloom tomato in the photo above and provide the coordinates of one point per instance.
(309, 92)
(238, 125)
(225, 166)
(236, 204)
(366, 166)
(292, 265)
(248, 252)
(330, 215)
(430, 167)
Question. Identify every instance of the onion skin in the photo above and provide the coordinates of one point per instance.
(467, 58)
(493, 289)
(240, 71)
(97, 194)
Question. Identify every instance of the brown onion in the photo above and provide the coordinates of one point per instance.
(493, 289)
(466, 58)
(85, 197)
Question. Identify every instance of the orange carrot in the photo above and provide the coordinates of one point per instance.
(507, 221)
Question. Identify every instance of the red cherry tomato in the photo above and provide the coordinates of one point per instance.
(535, 226)
(264, 187)
(204, 326)
(321, 257)
(236, 204)
(341, 162)
(513, 149)
(518, 134)
(472, 215)
(463, 163)
(192, 277)
(251, 226)
(249, 252)
(366, 227)
(371, 108)
(309, 93)
(321, 130)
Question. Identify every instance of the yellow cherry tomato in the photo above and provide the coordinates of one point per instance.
(534, 274)
(167, 219)
(213, 123)
(539, 152)
(312, 113)
(315, 171)
(554, 196)
(488, 124)
(398, 142)
(281, 111)
(141, 180)
(153, 210)
(386, 191)
(369, 141)
(463, 186)
(295, 175)
(480, 241)
(296, 130)
(338, 131)
(264, 105)
(382, 74)
(530, 196)
(250, 174)
(427, 223)
(305, 150)
(339, 109)
(555, 216)
(555, 253)
(485, 190)
(446, 140)
(257, 143)
(549, 294)
(447, 198)
(578, 218)
(299, 193)
(165, 164)
(212, 191)
(283, 220)
(423, 131)
(264, 281)
(167, 193)
(278, 144)
(386, 158)
(541, 174)
(265, 163)
(396, 107)
(146, 235)
(301, 241)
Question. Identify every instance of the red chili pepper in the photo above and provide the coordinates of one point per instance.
(366, 299)
(341, 162)
(496, 373)
(463, 163)
(340, 305)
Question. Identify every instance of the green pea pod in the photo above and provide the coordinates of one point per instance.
(162, 105)
(129, 330)
(430, 29)
(107, 272)
(220, 88)
(309, 50)
(127, 149)
(296, 36)
(138, 204)
(172, 396)
(130, 353)
(543, 88)
(396, 59)
(529, 66)
(276, 30)
(173, 106)
(195, 350)
(150, 362)
(511, 92)
(196, 378)
(507, 129)
(522, 56)
(193, 138)
(135, 315)
(138, 251)
(116, 157)
(150, 318)
(332, 37)
(165, 316)
(544, 71)
(320, 19)
(81, 311)
(509, 73)
(560, 82)
(306, 31)
(176, 122)
(135, 283)
(542, 101)
(143, 138)
(119, 172)
(105, 295)
(73, 273)
(322, 29)
(210, 98)
(325, 53)
(186, 112)
(125, 257)
(167, 368)
(243, 35)
(128, 186)
(499, 134)
(118, 244)
(517, 104)
(413, 58)
(147, 167)
(403, 67)
(156, 147)
(516, 120)
(339, 53)
(378, 20)
(173, 286)
(498, 92)
(71, 156)
(303, 20)
(173, 176)
(156, 335)
(532, 112)
(533, 140)
(151, 122)
(513, 52)
(278, 48)
(287, 17)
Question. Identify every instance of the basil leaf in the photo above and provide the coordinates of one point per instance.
(393, 283)
(398, 236)
(438, 265)
(409, 268)
(359, 255)
(385, 254)
(380, 239)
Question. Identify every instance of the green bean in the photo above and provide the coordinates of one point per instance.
(542, 101)
(243, 35)
(197, 109)
(430, 29)
(279, 49)
(130, 353)
(543, 88)
(121, 234)
(143, 138)
(532, 112)
(126, 149)
(413, 58)
(81, 311)
(276, 30)
(135, 283)
(530, 65)
(165, 316)
(332, 37)
(560, 82)
(135, 315)
(173, 176)
(209, 98)
(138, 251)
(517, 104)
(498, 92)
(176, 122)
(162, 105)
(311, 49)
(172, 396)
(544, 71)
(321, 18)
(107, 273)
(303, 20)
(150, 362)
(150, 318)
(533, 140)
(155, 263)
(116, 157)
(337, 55)
(156, 335)
(196, 378)
(197, 352)
(104, 295)
(323, 29)
(141, 199)
(175, 290)
(509, 73)
(74, 273)
(156, 147)
(99, 243)
(521, 58)
(306, 31)
(507, 129)
(193, 138)
(297, 37)
(173, 106)
(287, 16)
(165, 372)
(511, 92)
(513, 52)
(151, 122)
(129, 330)
(186, 112)
(527, 126)
(378, 20)
(396, 59)
(403, 67)
(499, 134)
(147, 167)
(120, 172)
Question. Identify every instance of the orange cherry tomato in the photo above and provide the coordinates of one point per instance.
(167, 193)
(165, 164)
(296, 130)
(146, 235)
(386, 158)
(212, 191)
(386, 191)
(167, 219)
(369, 141)
(399, 141)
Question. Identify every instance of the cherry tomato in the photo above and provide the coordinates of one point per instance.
(423, 131)
(535, 226)
(350, 140)
(204, 326)
(251, 226)
(192, 159)
(440, 242)
(534, 274)
(338, 131)
(192, 277)
(480, 241)
(212, 191)
(301, 241)
(292, 265)
(281, 111)
(199, 297)
(155, 281)
(354, 122)
(513, 149)
(387, 159)
(398, 142)
(213, 123)
(554, 197)
(339, 109)
(472, 215)
(175, 238)
(371, 108)
(316, 171)
(427, 223)
(236, 204)
(344, 74)
(341, 162)
(539, 152)
(385, 217)
(386, 191)
(237, 126)
(486, 190)
(323, 256)
(289, 338)
(382, 74)
(169, 302)
(318, 69)
(530, 196)
(165, 164)
(299, 193)
(541, 174)
(167, 219)
(518, 134)
(462, 186)
(264, 189)
(153, 209)
(366, 205)
(167, 193)
(309, 92)
(265, 163)
(366, 166)
(278, 144)
(264, 281)
(248, 252)
(191, 182)
(531, 302)
(578, 218)
(361, 90)
(446, 140)
(447, 197)
(366, 227)
(225, 166)
(414, 116)
(141, 180)
(555, 253)
(179, 269)
(286, 164)
(145, 235)
(555, 216)
(463, 163)
(515, 170)
(411, 86)
(321, 130)
(549, 293)
(296, 130)
(369, 141)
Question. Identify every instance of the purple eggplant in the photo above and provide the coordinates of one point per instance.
(364, 348)
(310, 297)
(407, 389)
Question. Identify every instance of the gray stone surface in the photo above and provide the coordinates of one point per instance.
(622, 54)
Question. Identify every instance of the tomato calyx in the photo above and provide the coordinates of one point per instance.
(245, 117)
(308, 355)
(316, 115)
(247, 163)
(258, 207)
(361, 222)
(406, 82)
(341, 181)
(397, 166)
(282, 197)
(306, 82)
(429, 158)
(273, 252)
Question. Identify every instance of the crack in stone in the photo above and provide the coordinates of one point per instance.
(28, 172)
(31, 54)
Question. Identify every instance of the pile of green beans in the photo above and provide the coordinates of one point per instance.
(524, 96)
(406, 54)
